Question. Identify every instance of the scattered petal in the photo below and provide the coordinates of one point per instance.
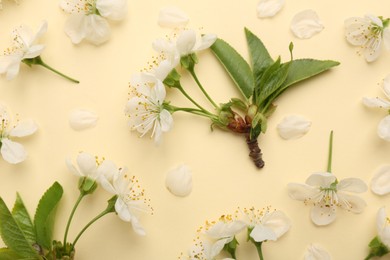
(293, 127)
(80, 119)
(305, 24)
(380, 183)
(179, 181)
(268, 8)
(316, 252)
(172, 17)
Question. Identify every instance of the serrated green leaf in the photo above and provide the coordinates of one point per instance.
(45, 214)
(235, 65)
(22, 218)
(8, 254)
(13, 237)
(303, 69)
(260, 57)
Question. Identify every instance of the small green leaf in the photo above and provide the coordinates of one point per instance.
(45, 214)
(22, 218)
(303, 69)
(13, 236)
(236, 67)
(8, 254)
(260, 57)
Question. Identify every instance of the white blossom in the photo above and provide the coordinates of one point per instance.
(293, 127)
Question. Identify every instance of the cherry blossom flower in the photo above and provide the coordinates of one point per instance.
(325, 194)
(25, 46)
(87, 18)
(130, 197)
(383, 129)
(11, 151)
(146, 110)
(368, 33)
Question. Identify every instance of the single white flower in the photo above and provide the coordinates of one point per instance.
(187, 42)
(383, 129)
(87, 18)
(268, 8)
(13, 152)
(316, 252)
(80, 119)
(131, 198)
(25, 46)
(293, 127)
(172, 17)
(325, 194)
(179, 181)
(266, 224)
(145, 109)
(305, 24)
(89, 166)
(368, 32)
(380, 183)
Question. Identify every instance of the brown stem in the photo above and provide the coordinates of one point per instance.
(254, 151)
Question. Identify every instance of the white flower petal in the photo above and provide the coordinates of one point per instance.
(172, 17)
(24, 128)
(354, 203)
(384, 128)
(321, 179)
(373, 49)
(72, 168)
(261, 233)
(107, 169)
(166, 120)
(206, 41)
(10, 65)
(112, 9)
(380, 183)
(97, 29)
(352, 185)
(137, 226)
(186, 42)
(268, 8)
(356, 28)
(383, 227)
(223, 229)
(301, 192)
(376, 102)
(293, 127)
(278, 222)
(80, 119)
(12, 152)
(122, 210)
(316, 252)
(87, 164)
(75, 27)
(179, 181)
(322, 215)
(386, 86)
(305, 24)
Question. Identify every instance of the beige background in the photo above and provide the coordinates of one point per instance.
(224, 177)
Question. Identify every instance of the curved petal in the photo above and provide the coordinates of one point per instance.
(206, 41)
(321, 179)
(384, 128)
(222, 229)
(293, 127)
(268, 8)
(305, 24)
(107, 169)
(374, 19)
(81, 119)
(97, 29)
(278, 222)
(76, 27)
(172, 17)
(12, 152)
(376, 102)
(163, 69)
(186, 42)
(382, 225)
(373, 48)
(179, 182)
(87, 164)
(34, 51)
(315, 252)
(72, 168)
(352, 185)
(112, 9)
(122, 210)
(261, 233)
(380, 183)
(322, 214)
(351, 202)
(137, 226)
(10, 65)
(301, 192)
(166, 120)
(24, 128)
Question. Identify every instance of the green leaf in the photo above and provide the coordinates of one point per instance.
(12, 234)
(260, 57)
(303, 69)
(22, 218)
(236, 67)
(45, 214)
(8, 254)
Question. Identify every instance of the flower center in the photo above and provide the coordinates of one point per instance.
(83, 6)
